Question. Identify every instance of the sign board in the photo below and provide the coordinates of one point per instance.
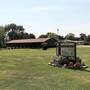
(66, 48)
(67, 51)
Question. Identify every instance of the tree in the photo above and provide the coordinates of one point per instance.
(32, 36)
(20, 28)
(87, 38)
(13, 35)
(21, 35)
(10, 27)
(82, 36)
(2, 36)
(52, 35)
(26, 36)
(43, 36)
(70, 36)
(13, 31)
(60, 37)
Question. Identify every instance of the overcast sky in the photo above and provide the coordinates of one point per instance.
(42, 16)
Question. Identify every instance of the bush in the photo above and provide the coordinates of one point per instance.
(44, 46)
(86, 43)
(66, 60)
(63, 60)
(78, 59)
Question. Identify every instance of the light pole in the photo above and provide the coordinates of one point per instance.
(57, 34)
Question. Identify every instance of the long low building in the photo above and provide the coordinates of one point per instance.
(31, 43)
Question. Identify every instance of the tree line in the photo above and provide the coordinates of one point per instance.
(13, 31)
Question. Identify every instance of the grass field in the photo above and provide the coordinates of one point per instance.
(28, 69)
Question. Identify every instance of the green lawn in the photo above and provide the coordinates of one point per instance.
(28, 69)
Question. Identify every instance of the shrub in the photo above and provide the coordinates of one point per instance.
(63, 60)
(86, 43)
(44, 46)
(66, 60)
(78, 59)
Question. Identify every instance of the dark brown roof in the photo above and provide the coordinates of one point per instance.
(29, 40)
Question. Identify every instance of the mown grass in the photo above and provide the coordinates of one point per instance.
(28, 69)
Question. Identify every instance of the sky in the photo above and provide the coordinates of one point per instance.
(42, 16)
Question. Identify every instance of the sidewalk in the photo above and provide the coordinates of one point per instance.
(83, 45)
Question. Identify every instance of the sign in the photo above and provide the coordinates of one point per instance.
(66, 51)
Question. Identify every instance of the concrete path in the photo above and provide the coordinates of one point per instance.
(83, 46)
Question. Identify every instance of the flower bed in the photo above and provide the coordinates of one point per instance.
(68, 62)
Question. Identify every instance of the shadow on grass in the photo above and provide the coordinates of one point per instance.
(76, 69)
(85, 70)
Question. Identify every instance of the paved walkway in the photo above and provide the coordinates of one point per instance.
(83, 46)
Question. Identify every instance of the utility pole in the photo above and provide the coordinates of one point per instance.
(57, 34)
